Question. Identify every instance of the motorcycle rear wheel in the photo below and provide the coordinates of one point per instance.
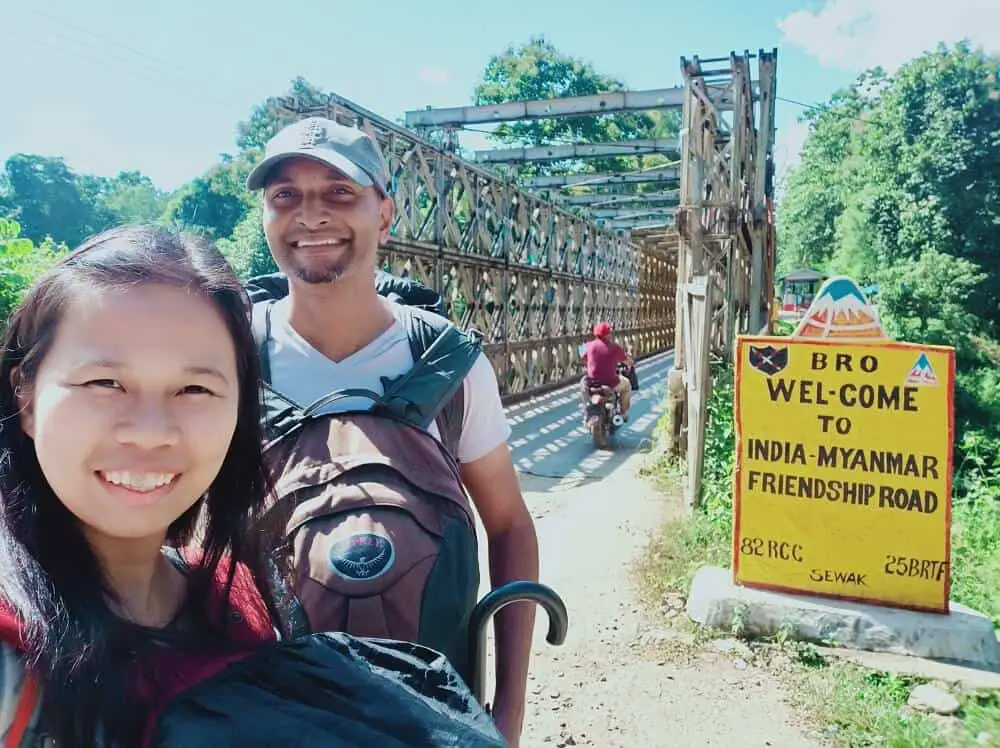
(599, 433)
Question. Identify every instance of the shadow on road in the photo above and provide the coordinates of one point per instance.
(550, 441)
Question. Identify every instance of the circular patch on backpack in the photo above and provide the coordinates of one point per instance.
(362, 556)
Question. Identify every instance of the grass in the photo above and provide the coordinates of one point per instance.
(851, 706)
(856, 707)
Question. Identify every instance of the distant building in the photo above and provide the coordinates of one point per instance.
(798, 289)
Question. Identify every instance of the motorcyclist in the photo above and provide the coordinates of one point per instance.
(602, 356)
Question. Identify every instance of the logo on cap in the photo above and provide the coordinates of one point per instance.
(314, 134)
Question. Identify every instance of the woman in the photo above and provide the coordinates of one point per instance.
(129, 405)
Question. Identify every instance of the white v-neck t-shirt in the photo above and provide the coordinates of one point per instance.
(300, 372)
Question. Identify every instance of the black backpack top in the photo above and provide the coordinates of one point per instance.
(330, 691)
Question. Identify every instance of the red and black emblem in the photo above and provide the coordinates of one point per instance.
(769, 360)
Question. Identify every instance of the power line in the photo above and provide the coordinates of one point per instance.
(796, 103)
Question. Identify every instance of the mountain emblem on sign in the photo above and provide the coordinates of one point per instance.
(922, 373)
(840, 310)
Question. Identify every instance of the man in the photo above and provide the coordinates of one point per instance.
(602, 356)
(326, 212)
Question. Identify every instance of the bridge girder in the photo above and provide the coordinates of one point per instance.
(664, 175)
(608, 199)
(578, 150)
(570, 106)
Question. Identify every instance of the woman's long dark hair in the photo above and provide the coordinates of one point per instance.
(80, 650)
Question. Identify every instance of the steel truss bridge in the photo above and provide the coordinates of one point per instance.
(685, 263)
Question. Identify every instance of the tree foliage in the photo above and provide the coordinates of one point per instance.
(215, 202)
(49, 199)
(247, 250)
(926, 299)
(21, 263)
(896, 166)
(899, 183)
(537, 70)
(264, 121)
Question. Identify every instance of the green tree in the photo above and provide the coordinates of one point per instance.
(899, 165)
(21, 263)
(247, 250)
(537, 70)
(933, 149)
(900, 182)
(214, 202)
(812, 225)
(131, 197)
(265, 121)
(926, 299)
(49, 199)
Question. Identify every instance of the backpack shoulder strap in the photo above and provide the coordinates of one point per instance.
(260, 324)
(280, 416)
(443, 355)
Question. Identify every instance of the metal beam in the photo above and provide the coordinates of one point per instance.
(671, 197)
(633, 225)
(569, 106)
(578, 150)
(619, 213)
(566, 180)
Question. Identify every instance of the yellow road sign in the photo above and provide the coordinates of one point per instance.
(844, 468)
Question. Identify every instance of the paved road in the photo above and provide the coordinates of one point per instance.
(550, 441)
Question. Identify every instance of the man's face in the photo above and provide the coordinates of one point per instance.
(320, 225)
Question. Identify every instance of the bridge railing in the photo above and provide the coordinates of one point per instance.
(532, 277)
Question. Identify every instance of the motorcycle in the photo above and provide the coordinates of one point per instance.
(603, 414)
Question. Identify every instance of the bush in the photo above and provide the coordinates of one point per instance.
(21, 263)
(975, 528)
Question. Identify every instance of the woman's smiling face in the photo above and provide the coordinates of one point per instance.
(133, 408)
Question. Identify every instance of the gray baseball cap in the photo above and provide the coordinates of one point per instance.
(347, 149)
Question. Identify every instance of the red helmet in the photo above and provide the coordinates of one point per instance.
(602, 330)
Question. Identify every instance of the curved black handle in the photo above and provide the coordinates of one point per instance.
(501, 597)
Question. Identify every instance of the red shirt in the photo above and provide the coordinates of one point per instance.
(603, 357)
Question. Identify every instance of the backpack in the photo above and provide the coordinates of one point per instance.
(331, 690)
(376, 536)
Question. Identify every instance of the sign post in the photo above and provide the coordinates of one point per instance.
(844, 459)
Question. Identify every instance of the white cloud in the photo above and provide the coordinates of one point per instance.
(859, 34)
(434, 76)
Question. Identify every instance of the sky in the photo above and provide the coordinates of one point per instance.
(112, 85)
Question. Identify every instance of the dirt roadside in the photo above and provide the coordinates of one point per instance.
(620, 679)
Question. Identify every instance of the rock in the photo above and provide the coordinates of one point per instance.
(724, 645)
(984, 738)
(728, 646)
(928, 698)
(963, 635)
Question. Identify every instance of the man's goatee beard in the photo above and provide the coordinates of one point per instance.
(317, 277)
